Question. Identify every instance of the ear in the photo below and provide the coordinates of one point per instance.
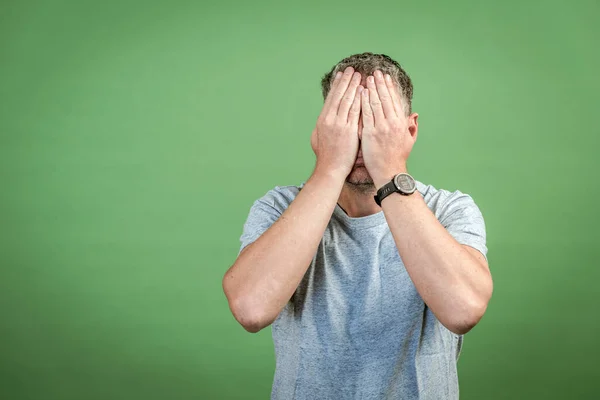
(413, 126)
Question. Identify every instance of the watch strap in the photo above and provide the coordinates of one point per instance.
(385, 191)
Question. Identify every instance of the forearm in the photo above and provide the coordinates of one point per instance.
(453, 284)
(267, 272)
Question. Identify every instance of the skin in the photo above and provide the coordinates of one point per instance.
(359, 188)
(453, 279)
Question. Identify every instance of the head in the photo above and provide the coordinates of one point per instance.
(366, 64)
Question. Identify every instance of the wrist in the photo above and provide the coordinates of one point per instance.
(382, 178)
(331, 174)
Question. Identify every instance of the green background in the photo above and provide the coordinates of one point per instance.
(136, 135)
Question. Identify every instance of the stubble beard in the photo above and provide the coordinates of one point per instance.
(360, 181)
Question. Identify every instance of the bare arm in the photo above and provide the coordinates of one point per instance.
(267, 272)
(453, 279)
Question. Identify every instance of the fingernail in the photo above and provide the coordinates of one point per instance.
(378, 74)
(388, 77)
(371, 79)
(360, 89)
(337, 76)
(365, 92)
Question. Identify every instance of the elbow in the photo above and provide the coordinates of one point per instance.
(249, 317)
(462, 322)
(463, 325)
(473, 307)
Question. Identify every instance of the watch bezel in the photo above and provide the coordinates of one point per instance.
(414, 183)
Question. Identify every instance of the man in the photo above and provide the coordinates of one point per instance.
(369, 278)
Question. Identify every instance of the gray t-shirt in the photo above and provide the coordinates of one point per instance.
(356, 327)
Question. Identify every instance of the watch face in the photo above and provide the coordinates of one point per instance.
(405, 183)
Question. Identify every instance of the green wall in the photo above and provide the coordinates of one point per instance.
(134, 137)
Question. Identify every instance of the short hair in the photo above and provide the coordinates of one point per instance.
(366, 64)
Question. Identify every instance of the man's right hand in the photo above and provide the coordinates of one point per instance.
(335, 138)
(267, 273)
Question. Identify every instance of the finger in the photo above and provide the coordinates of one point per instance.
(384, 95)
(374, 100)
(354, 113)
(348, 98)
(334, 84)
(393, 89)
(339, 90)
(367, 111)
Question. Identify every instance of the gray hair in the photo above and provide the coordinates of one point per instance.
(366, 64)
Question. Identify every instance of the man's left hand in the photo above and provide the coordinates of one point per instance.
(386, 142)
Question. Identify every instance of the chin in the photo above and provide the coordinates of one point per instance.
(359, 176)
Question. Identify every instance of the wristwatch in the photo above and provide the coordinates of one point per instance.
(402, 183)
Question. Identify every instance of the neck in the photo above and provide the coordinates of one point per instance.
(357, 200)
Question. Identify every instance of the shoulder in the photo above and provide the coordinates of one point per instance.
(435, 196)
(280, 197)
(444, 202)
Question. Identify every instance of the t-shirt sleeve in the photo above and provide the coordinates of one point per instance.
(263, 213)
(463, 220)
